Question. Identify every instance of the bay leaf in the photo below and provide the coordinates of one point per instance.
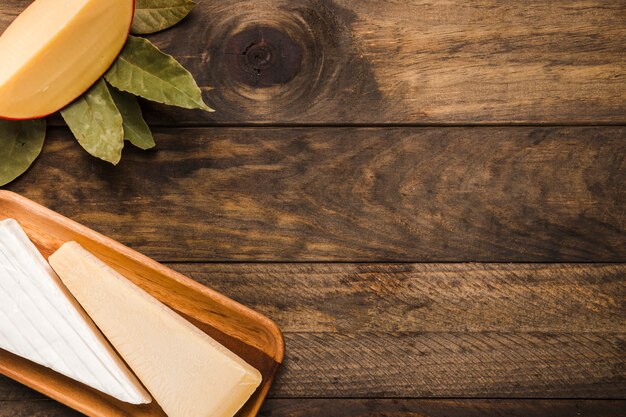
(156, 15)
(143, 70)
(96, 123)
(21, 142)
(136, 130)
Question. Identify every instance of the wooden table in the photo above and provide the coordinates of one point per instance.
(428, 196)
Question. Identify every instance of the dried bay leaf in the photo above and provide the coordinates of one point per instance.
(96, 123)
(156, 15)
(143, 70)
(21, 142)
(136, 130)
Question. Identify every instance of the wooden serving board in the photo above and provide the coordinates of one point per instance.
(249, 334)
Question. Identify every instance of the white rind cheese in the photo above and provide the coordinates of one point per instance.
(40, 321)
(187, 372)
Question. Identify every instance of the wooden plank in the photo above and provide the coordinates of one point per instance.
(426, 330)
(354, 298)
(43, 408)
(441, 408)
(13, 391)
(382, 407)
(445, 365)
(445, 330)
(351, 194)
(403, 61)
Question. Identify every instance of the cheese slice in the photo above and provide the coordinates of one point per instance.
(187, 372)
(40, 321)
(55, 50)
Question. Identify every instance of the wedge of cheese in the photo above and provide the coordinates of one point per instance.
(188, 373)
(55, 50)
(40, 321)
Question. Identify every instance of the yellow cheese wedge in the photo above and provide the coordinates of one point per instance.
(188, 373)
(55, 50)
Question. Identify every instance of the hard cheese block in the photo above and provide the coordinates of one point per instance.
(188, 373)
(40, 321)
(55, 50)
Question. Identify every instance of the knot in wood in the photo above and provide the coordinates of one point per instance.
(263, 56)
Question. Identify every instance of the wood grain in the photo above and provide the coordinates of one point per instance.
(355, 298)
(416, 61)
(350, 194)
(488, 330)
(43, 408)
(502, 194)
(465, 365)
(441, 408)
(454, 365)
(435, 330)
(382, 408)
(444, 365)
(11, 390)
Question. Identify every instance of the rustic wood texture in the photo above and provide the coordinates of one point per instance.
(442, 364)
(441, 408)
(442, 330)
(348, 194)
(360, 335)
(446, 330)
(354, 298)
(382, 408)
(418, 61)
(447, 364)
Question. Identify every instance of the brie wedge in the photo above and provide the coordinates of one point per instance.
(40, 321)
(187, 372)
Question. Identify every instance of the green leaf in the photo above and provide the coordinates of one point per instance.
(135, 128)
(156, 15)
(143, 70)
(96, 123)
(20, 144)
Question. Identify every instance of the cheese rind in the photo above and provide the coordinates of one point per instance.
(55, 50)
(187, 372)
(40, 321)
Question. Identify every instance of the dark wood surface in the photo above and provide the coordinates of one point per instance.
(351, 194)
(371, 171)
(400, 61)
(382, 408)
(436, 330)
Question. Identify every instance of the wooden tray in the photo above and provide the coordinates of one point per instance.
(249, 334)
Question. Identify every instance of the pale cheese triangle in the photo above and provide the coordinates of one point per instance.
(42, 322)
(188, 373)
